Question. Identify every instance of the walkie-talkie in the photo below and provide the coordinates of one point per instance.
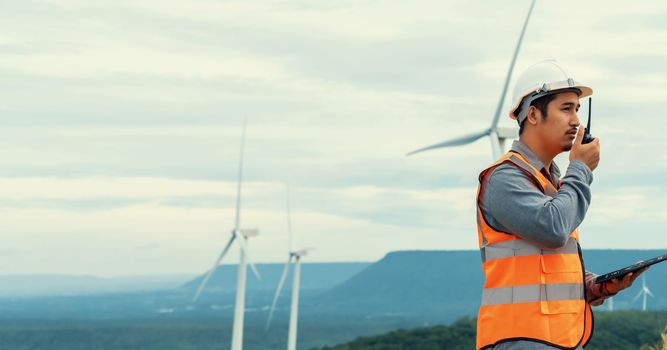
(587, 132)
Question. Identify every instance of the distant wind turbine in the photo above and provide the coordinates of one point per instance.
(294, 258)
(645, 292)
(497, 135)
(239, 235)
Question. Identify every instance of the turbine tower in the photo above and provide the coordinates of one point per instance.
(497, 135)
(239, 235)
(645, 292)
(294, 258)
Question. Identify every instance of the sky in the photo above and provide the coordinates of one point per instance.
(121, 125)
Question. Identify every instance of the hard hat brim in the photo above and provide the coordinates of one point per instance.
(585, 92)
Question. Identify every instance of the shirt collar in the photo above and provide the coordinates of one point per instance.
(521, 148)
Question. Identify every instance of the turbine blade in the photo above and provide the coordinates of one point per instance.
(496, 116)
(278, 290)
(240, 178)
(289, 218)
(213, 268)
(648, 291)
(637, 296)
(244, 248)
(463, 140)
(495, 145)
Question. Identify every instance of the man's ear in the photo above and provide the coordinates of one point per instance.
(533, 116)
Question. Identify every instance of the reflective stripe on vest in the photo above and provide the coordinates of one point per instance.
(520, 247)
(530, 293)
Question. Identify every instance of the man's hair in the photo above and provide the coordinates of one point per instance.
(541, 104)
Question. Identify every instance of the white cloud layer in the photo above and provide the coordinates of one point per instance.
(121, 124)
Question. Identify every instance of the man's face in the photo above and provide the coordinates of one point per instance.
(559, 129)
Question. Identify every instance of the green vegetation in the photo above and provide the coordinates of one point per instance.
(625, 330)
(459, 336)
(181, 333)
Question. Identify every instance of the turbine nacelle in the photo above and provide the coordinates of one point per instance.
(247, 233)
(300, 253)
(507, 132)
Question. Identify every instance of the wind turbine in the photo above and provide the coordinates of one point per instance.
(239, 235)
(610, 302)
(497, 135)
(644, 291)
(294, 258)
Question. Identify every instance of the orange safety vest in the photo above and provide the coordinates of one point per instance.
(530, 293)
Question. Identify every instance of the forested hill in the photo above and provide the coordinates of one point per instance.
(625, 330)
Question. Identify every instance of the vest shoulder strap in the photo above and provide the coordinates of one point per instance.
(519, 161)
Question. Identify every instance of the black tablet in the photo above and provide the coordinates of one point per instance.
(631, 268)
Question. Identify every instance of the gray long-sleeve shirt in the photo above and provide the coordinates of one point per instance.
(511, 202)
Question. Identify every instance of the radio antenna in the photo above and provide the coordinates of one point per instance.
(587, 131)
(588, 127)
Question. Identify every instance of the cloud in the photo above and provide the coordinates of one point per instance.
(7, 252)
(188, 238)
(121, 123)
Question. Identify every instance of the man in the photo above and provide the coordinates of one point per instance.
(537, 293)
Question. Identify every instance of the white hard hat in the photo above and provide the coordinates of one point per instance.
(541, 79)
